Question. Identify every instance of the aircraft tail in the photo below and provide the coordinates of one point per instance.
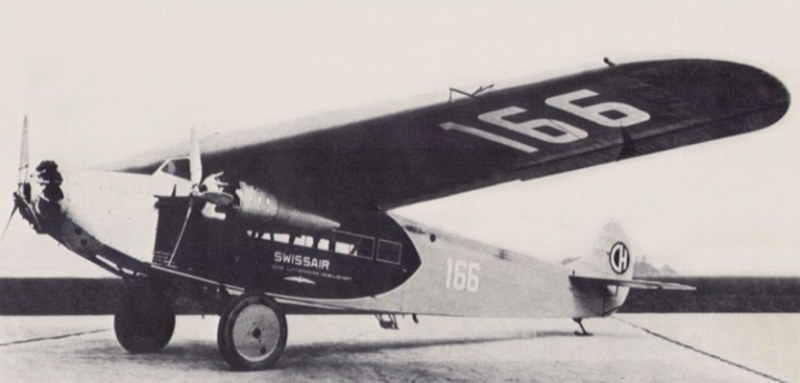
(602, 278)
(599, 278)
(609, 258)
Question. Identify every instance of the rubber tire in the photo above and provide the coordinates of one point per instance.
(144, 323)
(227, 321)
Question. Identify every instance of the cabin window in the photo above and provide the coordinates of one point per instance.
(340, 242)
(324, 244)
(304, 240)
(353, 244)
(389, 252)
(281, 237)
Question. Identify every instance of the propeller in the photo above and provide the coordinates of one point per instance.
(195, 163)
(22, 174)
(22, 170)
(212, 195)
(8, 223)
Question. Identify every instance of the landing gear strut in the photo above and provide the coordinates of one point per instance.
(144, 321)
(583, 331)
(251, 333)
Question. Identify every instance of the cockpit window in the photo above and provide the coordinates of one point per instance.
(178, 167)
(389, 252)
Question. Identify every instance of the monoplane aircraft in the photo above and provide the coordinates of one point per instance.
(298, 218)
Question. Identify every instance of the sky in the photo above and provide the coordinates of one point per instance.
(105, 80)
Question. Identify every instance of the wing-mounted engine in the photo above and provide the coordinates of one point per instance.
(224, 206)
(250, 206)
(231, 202)
(258, 207)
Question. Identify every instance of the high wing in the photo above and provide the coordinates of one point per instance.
(516, 133)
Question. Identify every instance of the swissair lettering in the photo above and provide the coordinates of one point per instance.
(301, 260)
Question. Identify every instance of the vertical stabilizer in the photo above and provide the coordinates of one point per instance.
(592, 276)
(610, 257)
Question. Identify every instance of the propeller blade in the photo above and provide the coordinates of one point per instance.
(183, 230)
(22, 171)
(8, 223)
(195, 162)
(195, 177)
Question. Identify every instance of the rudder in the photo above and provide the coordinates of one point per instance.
(592, 276)
(610, 257)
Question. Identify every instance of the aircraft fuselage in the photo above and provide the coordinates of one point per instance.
(376, 262)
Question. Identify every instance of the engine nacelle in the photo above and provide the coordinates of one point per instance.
(259, 206)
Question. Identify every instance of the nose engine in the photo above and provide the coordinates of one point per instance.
(39, 197)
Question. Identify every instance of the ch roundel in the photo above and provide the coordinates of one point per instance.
(619, 258)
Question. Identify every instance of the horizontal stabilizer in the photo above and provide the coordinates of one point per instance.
(634, 284)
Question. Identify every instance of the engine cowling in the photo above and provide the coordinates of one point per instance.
(259, 206)
(39, 198)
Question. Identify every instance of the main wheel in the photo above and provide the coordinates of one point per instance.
(144, 322)
(251, 333)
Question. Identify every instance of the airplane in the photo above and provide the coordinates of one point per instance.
(299, 218)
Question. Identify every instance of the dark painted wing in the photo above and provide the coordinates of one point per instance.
(521, 132)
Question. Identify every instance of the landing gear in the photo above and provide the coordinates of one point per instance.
(583, 331)
(251, 333)
(144, 322)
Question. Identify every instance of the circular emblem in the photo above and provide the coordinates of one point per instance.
(619, 258)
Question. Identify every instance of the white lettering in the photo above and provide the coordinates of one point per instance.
(462, 275)
(626, 115)
(532, 128)
(301, 260)
(609, 114)
(488, 136)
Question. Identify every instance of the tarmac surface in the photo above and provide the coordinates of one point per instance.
(629, 347)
